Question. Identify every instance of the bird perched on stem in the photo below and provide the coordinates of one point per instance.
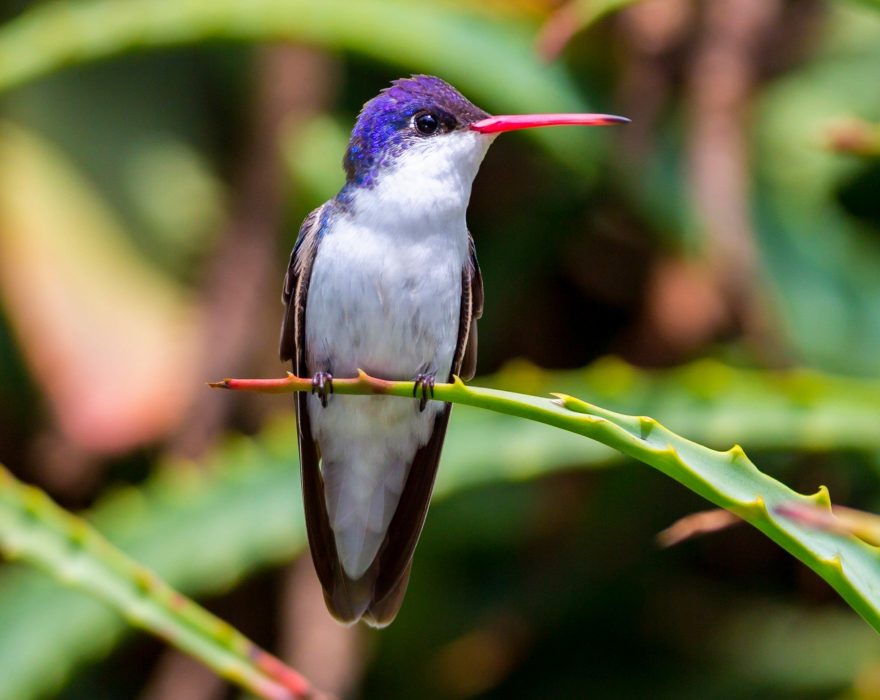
(384, 278)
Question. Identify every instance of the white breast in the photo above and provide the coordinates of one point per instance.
(386, 306)
(386, 283)
(384, 296)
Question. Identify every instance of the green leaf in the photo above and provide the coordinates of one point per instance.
(247, 493)
(489, 58)
(819, 259)
(727, 479)
(45, 535)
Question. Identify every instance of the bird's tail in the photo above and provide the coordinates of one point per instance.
(365, 578)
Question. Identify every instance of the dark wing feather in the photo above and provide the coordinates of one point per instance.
(296, 282)
(295, 296)
(346, 599)
(392, 565)
(471, 310)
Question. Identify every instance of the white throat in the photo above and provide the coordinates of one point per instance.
(426, 187)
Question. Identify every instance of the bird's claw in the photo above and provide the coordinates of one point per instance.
(424, 382)
(322, 385)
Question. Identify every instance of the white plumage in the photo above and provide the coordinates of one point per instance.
(385, 297)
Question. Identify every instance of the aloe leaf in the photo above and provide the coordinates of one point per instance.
(728, 479)
(246, 495)
(43, 534)
(490, 59)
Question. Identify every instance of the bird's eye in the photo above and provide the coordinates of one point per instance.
(426, 123)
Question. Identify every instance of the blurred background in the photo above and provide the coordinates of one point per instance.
(156, 159)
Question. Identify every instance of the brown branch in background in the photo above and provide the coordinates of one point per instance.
(682, 307)
(723, 72)
(557, 31)
(240, 304)
(683, 312)
(479, 660)
(652, 32)
(241, 309)
(181, 676)
(328, 653)
(723, 48)
(63, 467)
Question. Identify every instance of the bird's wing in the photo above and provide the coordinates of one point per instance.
(393, 562)
(321, 541)
(296, 282)
(465, 364)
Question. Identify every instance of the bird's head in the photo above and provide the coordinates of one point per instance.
(422, 118)
(422, 139)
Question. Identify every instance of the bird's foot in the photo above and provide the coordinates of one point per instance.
(424, 383)
(322, 385)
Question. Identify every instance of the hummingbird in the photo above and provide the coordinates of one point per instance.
(384, 278)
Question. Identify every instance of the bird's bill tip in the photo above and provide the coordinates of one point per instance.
(512, 122)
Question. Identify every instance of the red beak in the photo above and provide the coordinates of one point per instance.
(512, 122)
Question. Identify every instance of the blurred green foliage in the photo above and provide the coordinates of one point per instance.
(247, 494)
(591, 244)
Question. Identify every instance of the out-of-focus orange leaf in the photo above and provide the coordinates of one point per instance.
(508, 8)
(695, 524)
(570, 19)
(107, 337)
(856, 137)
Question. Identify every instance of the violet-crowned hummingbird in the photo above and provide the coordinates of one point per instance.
(384, 278)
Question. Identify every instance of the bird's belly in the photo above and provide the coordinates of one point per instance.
(390, 307)
(393, 312)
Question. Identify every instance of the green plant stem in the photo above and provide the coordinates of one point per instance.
(38, 531)
(728, 479)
